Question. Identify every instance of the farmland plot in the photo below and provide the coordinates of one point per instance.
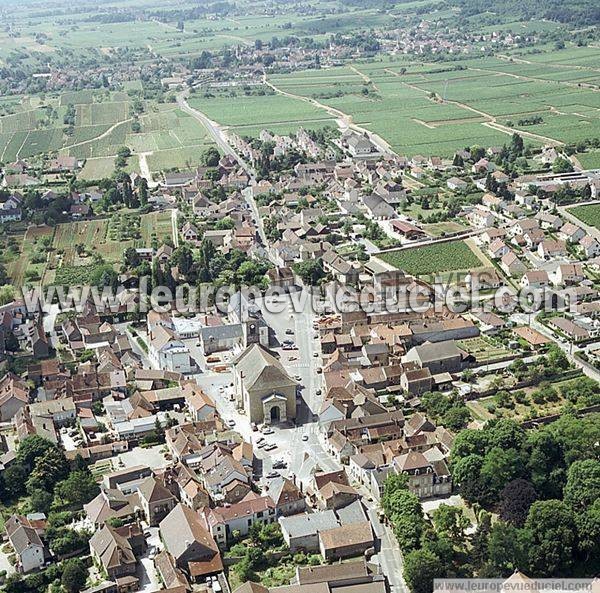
(433, 259)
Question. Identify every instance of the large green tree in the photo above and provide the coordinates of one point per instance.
(74, 575)
(421, 567)
(583, 484)
(551, 534)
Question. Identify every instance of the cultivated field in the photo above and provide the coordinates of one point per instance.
(168, 137)
(248, 115)
(588, 214)
(449, 256)
(589, 160)
(38, 254)
(432, 109)
(484, 349)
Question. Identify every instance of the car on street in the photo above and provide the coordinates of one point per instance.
(267, 430)
(318, 392)
(270, 447)
(231, 422)
(260, 440)
(289, 332)
(305, 437)
(273, 475)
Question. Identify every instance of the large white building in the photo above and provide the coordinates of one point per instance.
(166, 350)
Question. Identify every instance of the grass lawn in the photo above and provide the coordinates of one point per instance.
(483, 349)
(158, 224)
(439, 229)
(588, 214)
(98, 168)
(432, 259)
(589, 160)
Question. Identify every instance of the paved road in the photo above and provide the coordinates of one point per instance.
(294, 443)
(247, 193)
(389, 555)
(174, 229)
(215, 131)
(146, 572)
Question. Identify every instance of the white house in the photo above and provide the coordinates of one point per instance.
(571, 232)
(168, 353)
(590, 246)
(26, 543)
(480, 217)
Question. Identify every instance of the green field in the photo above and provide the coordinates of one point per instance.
(103, 124)
(448, 256)
(588, 214)
(98, 168)
(483, 348)
(106, 237)
(248, 115)
(426, 109)
(589, 160)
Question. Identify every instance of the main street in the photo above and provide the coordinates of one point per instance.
(299, 445)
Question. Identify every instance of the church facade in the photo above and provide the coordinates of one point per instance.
(263, 388)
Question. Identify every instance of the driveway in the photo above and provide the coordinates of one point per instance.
(146, 572)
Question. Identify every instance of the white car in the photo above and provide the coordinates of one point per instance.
(231, 422)
(305, 437)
